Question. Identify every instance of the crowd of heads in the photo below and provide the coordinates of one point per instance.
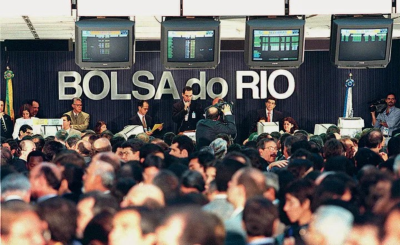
(289, 188)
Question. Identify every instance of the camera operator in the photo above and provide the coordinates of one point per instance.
(207, 129)
(388, 120)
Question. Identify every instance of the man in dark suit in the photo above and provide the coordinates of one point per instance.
(186, 113)
(7, 125)
(207, 129)
(269, 113)
(141, 117)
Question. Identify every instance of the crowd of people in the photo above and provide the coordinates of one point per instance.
(85, 186)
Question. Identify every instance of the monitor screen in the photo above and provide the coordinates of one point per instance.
(190, 46)
(190, 43)
(274, 43)
(102, 44)
(362, 42)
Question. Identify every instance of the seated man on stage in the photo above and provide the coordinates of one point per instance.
(207, 129)
(186, 113)
(79, 119)
(141, 118)
(389, 120)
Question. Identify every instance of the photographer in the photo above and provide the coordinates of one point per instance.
(388, 120)
(207, 129)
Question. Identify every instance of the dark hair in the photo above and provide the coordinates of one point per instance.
(203, 157)
(391, 94)
(60, 215)
(184, 143)
(333, 147)
(291, 121)
(24, 128)
(186, 88)
(339, 164)
(298, 167)
(35, 154)
(25, 107)
(193, 179)
(141, 102)
(67, 116)
(153, 161)
(300, 145)
(225, 171)
(98, 228)
(393, 146)
(149, 149)
(259, 215)
(289, 141)
(72, 140)
(255, 158)
(69, 156)
(98, 126)
(73, 174)
(261, 143)
(270, 98)
(134, 144)
(301, 189)
(168, 137)
(365, 156)
(168, 182)
(51, 148)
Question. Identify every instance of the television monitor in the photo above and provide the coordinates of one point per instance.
(272, 43)
(190, 43)
(361, 42)
(104, 44)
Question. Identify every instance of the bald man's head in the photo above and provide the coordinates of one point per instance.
(144, 195)
(101, 145)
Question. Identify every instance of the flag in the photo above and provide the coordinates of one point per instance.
(9, 110)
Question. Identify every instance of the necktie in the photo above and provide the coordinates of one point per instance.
(387, 112)
(144, 123)
(3, 124)
(269, 117)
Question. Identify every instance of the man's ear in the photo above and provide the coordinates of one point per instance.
(185, 153)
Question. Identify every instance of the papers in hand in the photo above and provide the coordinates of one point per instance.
(157, 126)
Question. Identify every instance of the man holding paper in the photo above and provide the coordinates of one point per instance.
(141, 118)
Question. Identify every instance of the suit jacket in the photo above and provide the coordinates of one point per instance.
(208, 129)
(81, 123)
(178, 115)
(72, 132)
(135, 120)
(6, 131)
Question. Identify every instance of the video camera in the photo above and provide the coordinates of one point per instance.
(219, 105)
(378, 105)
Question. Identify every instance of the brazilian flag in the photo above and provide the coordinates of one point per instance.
(9, 109)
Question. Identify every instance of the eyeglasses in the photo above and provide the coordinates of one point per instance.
(80, 105)
(271, 148)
